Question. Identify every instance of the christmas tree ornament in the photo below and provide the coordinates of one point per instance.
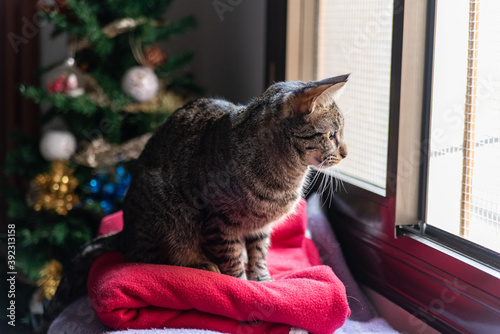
(62, 6)
(101, 153)
(50, 277)
(59, 6)
(55, 190)
(141, 83)
(66, 79)
(154, 56)
(44, 5)
(108, 187)
(57, 145)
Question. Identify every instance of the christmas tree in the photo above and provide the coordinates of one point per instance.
(102, 104)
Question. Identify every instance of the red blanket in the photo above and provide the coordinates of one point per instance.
(304, 294)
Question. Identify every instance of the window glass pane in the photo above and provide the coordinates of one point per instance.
(464, 171)
(355, 37)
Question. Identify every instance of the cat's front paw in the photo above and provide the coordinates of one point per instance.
(268, 279)
(208, 266)
(260, 277)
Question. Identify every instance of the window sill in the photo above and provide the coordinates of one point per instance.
(446, 290)
(465, 261)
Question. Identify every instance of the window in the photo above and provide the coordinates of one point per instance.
(464, 160)
(329, 38)
(399, 218)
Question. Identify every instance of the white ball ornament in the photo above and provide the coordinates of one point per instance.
(141, 83)
(57, 145)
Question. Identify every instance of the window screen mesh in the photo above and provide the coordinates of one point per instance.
(355, 37)
(465, 128)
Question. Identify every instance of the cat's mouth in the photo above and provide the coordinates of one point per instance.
(327, 162)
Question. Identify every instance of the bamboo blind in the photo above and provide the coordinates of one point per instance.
(470, 119)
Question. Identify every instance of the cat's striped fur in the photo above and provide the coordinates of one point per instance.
(215, 176)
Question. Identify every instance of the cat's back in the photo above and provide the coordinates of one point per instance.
(184, 130)
(198, 113)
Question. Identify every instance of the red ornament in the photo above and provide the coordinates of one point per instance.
(58, 6)
(154, 56)
(66, 79)
(62, 6)
(63, 84)
(58, 86)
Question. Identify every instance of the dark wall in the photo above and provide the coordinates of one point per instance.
(229, 46)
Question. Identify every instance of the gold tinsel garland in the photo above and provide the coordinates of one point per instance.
(50, 277)
(164, 101)
(54, 190)
(101, 153)
(114, 29)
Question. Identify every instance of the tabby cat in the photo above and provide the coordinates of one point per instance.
(215, 176)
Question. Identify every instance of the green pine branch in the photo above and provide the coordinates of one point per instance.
(86, 26)
(151, 33)
(185, 83)
(25, 160)
(176, 62)
(64, 103)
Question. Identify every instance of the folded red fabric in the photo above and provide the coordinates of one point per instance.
(304, 294)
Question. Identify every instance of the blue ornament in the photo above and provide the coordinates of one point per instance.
(108, 189)
(120, 171)
(109, 186)
(95, 185)
(107, 206)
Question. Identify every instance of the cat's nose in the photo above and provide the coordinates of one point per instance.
(343, 151)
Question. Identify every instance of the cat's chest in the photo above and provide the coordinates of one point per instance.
(251, 213)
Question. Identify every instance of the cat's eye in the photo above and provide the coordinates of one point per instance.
(331, 135)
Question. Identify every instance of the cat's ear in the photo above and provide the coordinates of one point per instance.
(320, 94)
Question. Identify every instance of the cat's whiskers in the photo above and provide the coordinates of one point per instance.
(325, 184)
(329, 187)
(332, 191)
(312, 181)
(339, 183)
(331, 183)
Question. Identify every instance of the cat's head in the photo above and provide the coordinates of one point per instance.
(311, 119)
